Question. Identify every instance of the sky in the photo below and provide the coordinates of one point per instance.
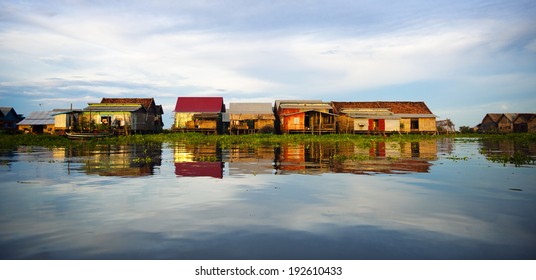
(462, 58)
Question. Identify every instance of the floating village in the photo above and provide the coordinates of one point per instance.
(210, 115)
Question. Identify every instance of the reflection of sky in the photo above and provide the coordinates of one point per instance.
(461, 209)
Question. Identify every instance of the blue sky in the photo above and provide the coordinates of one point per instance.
(463, 58)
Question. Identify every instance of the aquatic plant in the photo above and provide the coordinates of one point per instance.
(517, 159)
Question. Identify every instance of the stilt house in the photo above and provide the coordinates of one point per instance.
(9, 119)
(199, 114)
(384, 117)
(251, 118)
(124, 114)
(304, 116)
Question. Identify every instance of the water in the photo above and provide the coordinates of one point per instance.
(444, 199)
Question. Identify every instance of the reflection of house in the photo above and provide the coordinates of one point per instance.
(198, 160)
(199, 114)
(384, 116)
(386, 157)
(313, 158)
(38, 122)
(130, 114)
(199, 169)
(244, 160)
(9, 119)
(125, 161)
(304, 116)
(251, 118)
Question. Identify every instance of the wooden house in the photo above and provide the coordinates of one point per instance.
(384, 117)
(9, 119)
(38, 122)
(251, 118)
(446, 126)
(505, 124)
(66, 119)
(489, 123)
(124, 114)
(199, 114)
(525, 122)
(304, 116)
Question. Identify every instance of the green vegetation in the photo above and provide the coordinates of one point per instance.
(254, 140)
(518, 159)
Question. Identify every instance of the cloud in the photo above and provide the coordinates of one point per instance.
(311, 49)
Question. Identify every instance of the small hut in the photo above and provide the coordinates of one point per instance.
(199, 114)
(384, 117)
(304, 116)
(251, 118)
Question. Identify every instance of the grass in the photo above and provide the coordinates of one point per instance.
(224, 141)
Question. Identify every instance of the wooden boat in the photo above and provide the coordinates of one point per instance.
(88, 135)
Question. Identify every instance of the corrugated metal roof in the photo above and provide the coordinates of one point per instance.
(200, 104)
(364, 116)
(38, 118)
(250, 108)
(279, 102)
(35, 122)
(226, 117)
(307, 106)
(125, 108)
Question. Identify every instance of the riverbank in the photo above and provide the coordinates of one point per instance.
(12, 141)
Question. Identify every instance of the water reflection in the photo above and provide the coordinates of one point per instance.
(438, 209)
(198, 160)
(113, 160)
(315, 158)
(509, 151)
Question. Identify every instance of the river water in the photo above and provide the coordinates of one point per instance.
(434, 199)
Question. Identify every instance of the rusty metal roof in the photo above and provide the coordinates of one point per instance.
(397, 107)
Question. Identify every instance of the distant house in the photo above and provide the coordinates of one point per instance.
(251, 117)
(304, 116)
(525, 123)
(199, 114)
(446, 126)
(124, 114)
(505, 123)
(385, 116)
(38, 122)
(489, 123)
(9, 119)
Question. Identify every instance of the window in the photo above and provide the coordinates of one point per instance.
(296, 120)
(106, 120)
(414, 124)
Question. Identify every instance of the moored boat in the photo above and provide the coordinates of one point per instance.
(88, 135)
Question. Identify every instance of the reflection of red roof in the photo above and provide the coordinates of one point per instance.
(200, 104)
(397, 107)
(198, 169)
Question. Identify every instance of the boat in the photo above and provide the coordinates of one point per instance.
(88, 135)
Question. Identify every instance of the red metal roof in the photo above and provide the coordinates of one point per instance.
(200, 104)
